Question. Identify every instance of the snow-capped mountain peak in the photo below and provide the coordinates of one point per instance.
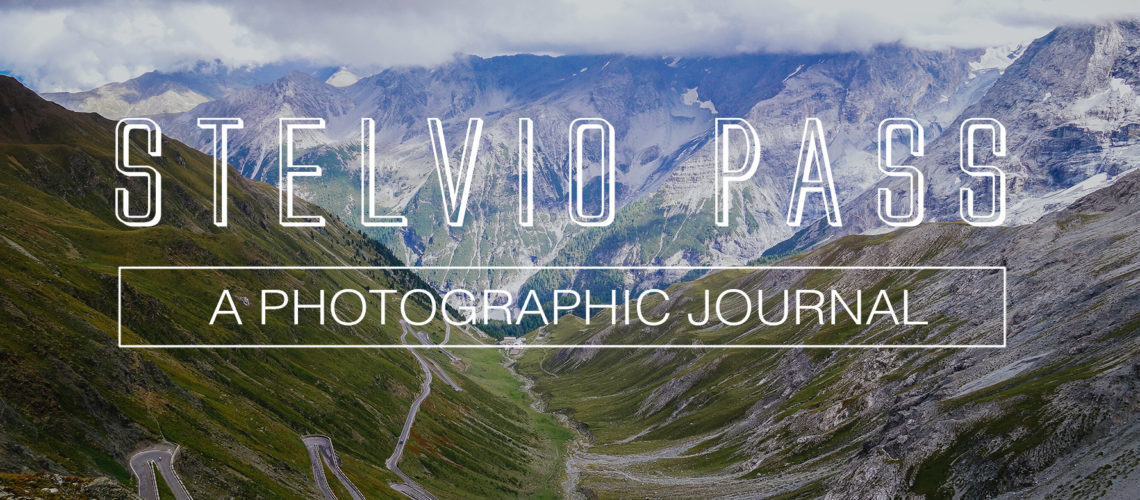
(342, 78)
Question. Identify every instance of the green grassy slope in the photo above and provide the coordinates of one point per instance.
(72, 401)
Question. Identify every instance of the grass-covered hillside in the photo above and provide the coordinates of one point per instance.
(72, 402)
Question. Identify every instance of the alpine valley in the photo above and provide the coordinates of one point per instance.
(1055, 413)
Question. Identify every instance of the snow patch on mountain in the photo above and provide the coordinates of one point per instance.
(692, 96)
(1108, 109)
(794, 73)
(342, 78)
(998, 58)
(1029, 210)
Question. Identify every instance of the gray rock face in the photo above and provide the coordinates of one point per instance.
(1071, 110)
(254, 149)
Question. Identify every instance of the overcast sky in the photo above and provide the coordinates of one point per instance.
(66, 45)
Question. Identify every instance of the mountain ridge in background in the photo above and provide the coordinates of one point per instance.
(159, 92)
(662, 109)
(1072, 115)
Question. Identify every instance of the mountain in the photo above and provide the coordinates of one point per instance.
(1068, 98)
(1071, 110)
(849, 93)
(75, 403)
(662, 110)
(1053, 414)
(254, 149)
(159, 92)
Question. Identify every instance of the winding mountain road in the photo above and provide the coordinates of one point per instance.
(321, 447)
(161, 455)
(409, 487)
(423, 338)
(474, 336)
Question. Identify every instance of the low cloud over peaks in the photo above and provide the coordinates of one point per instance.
(70, 46)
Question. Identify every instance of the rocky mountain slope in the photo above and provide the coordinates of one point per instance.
(1071, 108)
(1052, 414)
(160, 92)
(54, 486)
(73, 402)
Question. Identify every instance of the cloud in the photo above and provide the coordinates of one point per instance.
(74, 45)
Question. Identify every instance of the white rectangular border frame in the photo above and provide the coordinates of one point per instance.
(1004, 309)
